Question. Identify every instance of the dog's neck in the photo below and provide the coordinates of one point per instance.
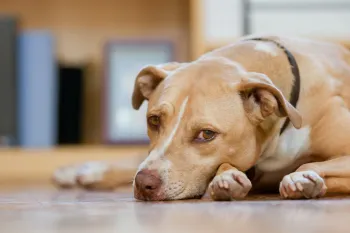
(295, 92)
(269, 131)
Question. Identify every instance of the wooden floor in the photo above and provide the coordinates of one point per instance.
(28, 203)
(41, 210)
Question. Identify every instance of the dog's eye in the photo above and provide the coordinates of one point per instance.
(205, 135)
(154, 121)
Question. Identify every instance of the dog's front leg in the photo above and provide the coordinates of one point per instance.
(229, 184)
(315, 179)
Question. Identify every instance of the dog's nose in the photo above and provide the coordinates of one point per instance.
(147, 184)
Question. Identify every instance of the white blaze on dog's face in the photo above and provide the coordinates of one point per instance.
(200, 115)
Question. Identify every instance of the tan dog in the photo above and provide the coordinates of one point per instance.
(216, 120)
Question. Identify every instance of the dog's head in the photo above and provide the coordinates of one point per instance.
(200, 115)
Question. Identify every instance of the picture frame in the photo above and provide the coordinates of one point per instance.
(123, 59)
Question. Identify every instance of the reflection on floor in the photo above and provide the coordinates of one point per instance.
(46, 210)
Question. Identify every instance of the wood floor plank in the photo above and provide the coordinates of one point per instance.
(78, 211)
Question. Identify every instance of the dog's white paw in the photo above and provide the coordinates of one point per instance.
(304, 184)
(229, 185)
(66, 176)
(91, 173)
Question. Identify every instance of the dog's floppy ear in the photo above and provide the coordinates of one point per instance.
(261, 98)
(148, 79)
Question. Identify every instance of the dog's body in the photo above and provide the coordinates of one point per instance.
(239, 95)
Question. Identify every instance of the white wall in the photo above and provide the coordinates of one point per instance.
(313, 18)
(222, 19)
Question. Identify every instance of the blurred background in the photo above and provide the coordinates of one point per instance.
(67, 67)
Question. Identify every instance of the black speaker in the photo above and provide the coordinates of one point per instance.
(8, 81)
(70, 104)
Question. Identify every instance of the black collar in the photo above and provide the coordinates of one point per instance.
(294, 95)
